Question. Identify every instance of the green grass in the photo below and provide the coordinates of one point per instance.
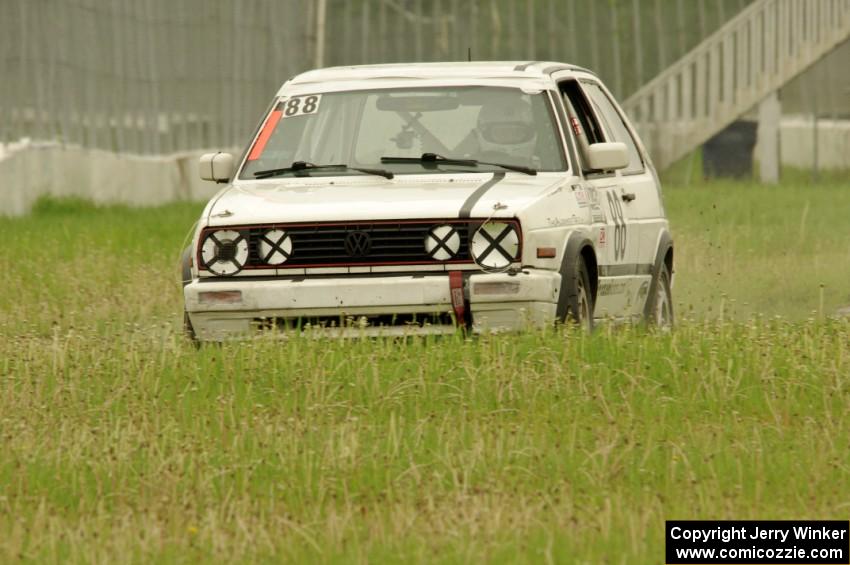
(747, 249)
(120, 442)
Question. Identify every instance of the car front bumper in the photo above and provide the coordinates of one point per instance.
(496, 301)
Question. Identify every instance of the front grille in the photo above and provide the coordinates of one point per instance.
(387, 243)
(325, 245)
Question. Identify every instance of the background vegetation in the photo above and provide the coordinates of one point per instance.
(120, 442)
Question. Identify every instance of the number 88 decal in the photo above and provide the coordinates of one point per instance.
(300, 105)
(620, 236)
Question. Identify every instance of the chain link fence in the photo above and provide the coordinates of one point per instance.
(164, 76)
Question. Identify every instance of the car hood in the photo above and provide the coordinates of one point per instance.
(367, 198)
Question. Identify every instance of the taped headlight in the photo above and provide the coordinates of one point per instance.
(442, 243)
(275, 247)
(224, 252)
(495, 245)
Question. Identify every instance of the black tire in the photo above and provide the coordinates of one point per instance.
(186, 277)
(189, 331)
(659, 303)
(186, 266)
(579, 294)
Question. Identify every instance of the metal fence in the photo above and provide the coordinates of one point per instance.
(159, 76)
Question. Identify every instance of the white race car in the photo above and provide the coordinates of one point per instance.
(416, 198)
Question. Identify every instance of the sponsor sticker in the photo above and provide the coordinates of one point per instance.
(571, 221)
(576, 126)
(611, 288)
(581, 197)
(300, 105)
(598, 215)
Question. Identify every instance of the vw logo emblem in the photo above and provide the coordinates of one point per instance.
(358, 243)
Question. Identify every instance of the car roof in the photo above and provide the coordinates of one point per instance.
(449, 70)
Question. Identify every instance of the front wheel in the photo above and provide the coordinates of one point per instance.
(186, 276)
(579, 296)
(188, 330)
(659, 308)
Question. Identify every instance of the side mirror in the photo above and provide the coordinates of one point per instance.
(216, 166)
(607, 156)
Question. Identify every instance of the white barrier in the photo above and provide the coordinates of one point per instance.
(29, 171)
(797, 137)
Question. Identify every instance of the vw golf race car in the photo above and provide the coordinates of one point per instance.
(418, 198)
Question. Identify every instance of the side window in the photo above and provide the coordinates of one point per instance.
(578, 104)
(614, 124)
(583, 122)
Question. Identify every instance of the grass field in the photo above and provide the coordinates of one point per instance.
(120, 442)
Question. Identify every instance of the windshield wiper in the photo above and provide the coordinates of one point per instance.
(432, 160)
(301, 166)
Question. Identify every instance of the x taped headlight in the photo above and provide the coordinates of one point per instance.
(224, 252)
(442, 243)
(495, 245)
(275, 247)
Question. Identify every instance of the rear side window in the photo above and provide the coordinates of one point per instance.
(614, 124)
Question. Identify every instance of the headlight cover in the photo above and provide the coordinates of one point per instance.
(224, 252)
(275, 247)
(495, 245)
(442, 243)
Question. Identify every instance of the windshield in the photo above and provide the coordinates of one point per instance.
(358, 128)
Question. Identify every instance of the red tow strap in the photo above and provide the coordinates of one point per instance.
(458, 303)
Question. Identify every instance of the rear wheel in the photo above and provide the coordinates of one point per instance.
(576, 283)
(659, 310)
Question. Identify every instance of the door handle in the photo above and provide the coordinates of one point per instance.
(628, 196)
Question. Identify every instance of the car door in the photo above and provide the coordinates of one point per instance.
(616, 242)
(640, 196)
